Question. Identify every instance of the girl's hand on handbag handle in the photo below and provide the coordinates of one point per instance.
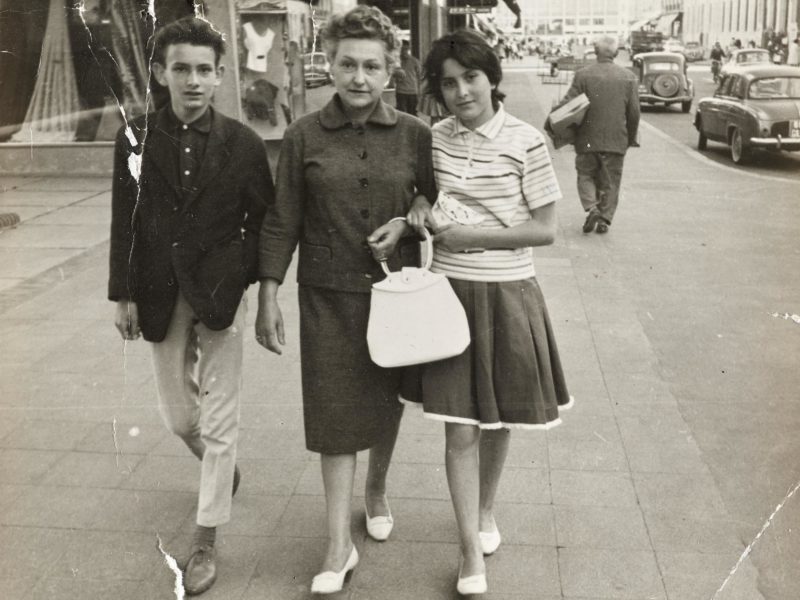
(269, 319)
(420, 215)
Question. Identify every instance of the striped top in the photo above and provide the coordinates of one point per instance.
(503, 171)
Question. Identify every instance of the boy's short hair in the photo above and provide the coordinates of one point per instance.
(189, 30)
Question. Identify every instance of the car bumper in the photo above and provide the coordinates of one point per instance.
(776, 143)
(650, 98)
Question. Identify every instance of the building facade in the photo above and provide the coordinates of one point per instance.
(709, 21)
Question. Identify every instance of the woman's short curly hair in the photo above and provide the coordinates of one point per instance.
(469, 49)
(363, 23)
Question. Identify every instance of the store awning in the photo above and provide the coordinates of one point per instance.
(665, 22)
(645, 23)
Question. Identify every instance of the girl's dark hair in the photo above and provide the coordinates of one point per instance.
(469, 49)
(189, 30)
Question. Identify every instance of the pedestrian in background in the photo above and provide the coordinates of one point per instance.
(794, 53)
(609, 128)
(407, 77)
(345, 175)
(187, 202)
(510, 376)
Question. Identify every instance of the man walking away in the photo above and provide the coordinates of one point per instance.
(609, 128)
(189, 194)
(407, 78)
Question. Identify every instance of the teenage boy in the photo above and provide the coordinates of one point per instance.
(188, 198)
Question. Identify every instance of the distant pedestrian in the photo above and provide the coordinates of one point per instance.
(609, 128)
(794, 53)
(188, 198)
(407, 75)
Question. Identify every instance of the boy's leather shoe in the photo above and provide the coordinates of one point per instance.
(591, 220)
(201, 572)
(237, 477)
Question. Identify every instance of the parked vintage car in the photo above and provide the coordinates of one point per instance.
(316, 70)
(753, 107)
(746, 57)
(673, 45)
(694, 51)
(663, 79)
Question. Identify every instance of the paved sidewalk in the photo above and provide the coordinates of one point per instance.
(617, 503)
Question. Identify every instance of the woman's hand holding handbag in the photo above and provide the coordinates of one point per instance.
(415, 317)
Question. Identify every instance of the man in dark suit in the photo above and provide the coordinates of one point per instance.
(609, 128)
(190, 191)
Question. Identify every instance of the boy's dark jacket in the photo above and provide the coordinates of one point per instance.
(204, 242)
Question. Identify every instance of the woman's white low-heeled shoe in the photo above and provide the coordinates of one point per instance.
(379, 528)
(330, 582)
(490, 541)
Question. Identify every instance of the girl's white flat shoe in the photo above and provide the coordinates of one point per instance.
(379, 528)
(330, 582)
(472, 585)
(490, 541)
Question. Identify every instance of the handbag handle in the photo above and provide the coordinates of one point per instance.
(428, 253)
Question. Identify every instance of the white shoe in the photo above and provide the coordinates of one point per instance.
(330, 582)
(490, 541)
(379, 528)
(472, 585)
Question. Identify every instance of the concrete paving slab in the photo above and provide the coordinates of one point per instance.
(22, 263)
(77, 215)
(693, 576)
(271, 477)
(255, 515)
(613, 574)
(26, 213)
(8, 182)
(69, 589)
(653, 457)
(122, 438)
(31, 552)
(52, 236)
(9, 282)
(144, 511)
(67, 184)
(679, 533)
(99, 199)
(46, 435)
(589, 455)
(601, 527)
(590, 488)
(693, 495)
(17, 587)
(529, 486)
(21, 197)
(57, 507)
(26, 467)
(165, 473)
(92, 470)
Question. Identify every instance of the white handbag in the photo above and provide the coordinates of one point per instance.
(415, 317)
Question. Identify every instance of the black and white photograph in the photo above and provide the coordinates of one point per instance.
(400, 299)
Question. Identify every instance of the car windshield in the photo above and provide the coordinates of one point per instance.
(318, 59)
(662, 66)
(752, 57)
(775, 87)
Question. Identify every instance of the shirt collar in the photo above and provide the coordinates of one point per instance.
(332, 115)
(489, 130)
(202, 125)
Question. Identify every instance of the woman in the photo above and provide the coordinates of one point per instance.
(510, 376)
(346, 176)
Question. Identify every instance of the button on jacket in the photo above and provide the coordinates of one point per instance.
(612, 121)
(337, 182)
(204, 242)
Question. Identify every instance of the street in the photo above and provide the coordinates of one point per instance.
(678, 345)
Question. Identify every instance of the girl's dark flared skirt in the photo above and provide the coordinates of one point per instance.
(510, 375)
(349, 403)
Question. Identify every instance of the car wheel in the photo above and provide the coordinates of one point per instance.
(686, 106)
(702, 140)
(739, 152)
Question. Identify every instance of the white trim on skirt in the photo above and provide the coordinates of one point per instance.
(498, 425)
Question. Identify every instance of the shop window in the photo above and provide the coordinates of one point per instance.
(74, 75)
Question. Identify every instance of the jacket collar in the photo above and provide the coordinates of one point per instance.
(161, 148)
(489, 130)
(332, 115)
